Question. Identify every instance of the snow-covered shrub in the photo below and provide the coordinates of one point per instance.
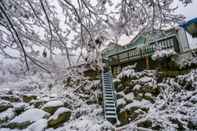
(159, 54)
(128, 72)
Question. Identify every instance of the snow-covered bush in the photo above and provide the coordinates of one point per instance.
(159, 54)
(128, 72)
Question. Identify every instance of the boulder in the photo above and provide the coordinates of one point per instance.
(4, 105)
(148, 96)
(91, 101)
(144, 80)
(135, 105)
(134, 114)
(119, 87)
(26, 118)
(105, 126)
(119, 95)
(59, 117)
(192, 124)
(193, 99)
(39, 125)
(145, 124)
(10, 98)
(120, 103)
(123, 117)
(7, 115)
(20, 107)
(29, 97)
(100, 98)
(52, 106)
(128, 89)
(129, 97)
(38, 103)
(116, 83)
(137, 87)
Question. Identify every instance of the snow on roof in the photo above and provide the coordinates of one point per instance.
(163, 53)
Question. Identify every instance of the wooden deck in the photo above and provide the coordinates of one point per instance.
(127, 55)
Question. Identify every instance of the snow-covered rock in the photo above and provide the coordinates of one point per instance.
(29, 97)
(20, 107)
(52, 106)
(29, 115)
(129, 97)
(138, 104)
(121, 102)
(27, 118)
(39, 125)
(4, 105)
(145, 79)
(59, 117)
(10, 98)
(7, 115)
(137, 87)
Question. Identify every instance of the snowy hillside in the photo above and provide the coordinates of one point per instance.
(43, 102)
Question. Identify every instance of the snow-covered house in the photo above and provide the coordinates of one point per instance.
(143, 47)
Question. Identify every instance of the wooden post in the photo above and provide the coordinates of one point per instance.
(147, 62)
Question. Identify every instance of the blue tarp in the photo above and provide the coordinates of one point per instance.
(191, 27)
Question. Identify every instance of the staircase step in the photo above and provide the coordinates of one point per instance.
(108, 85)
(107, 106)
(109, 101)
(107, 82)
(110, 116)
(110, 104)
(109, 95)
(109, 90)
(110, 109)
(110, 113)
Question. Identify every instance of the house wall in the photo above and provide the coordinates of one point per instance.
(183, 40)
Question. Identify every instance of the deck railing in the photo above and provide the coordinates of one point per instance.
(146, 50)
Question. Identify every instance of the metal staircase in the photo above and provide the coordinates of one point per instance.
(109, 99)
